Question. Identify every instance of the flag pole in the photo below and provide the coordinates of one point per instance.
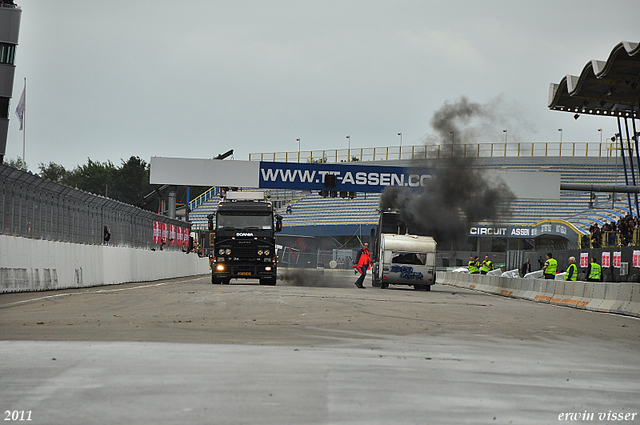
(24, 124)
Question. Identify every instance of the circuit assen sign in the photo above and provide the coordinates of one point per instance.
(348, 177)
(514, 231)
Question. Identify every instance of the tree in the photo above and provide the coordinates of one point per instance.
(18, 164)
(93, 177)
(54, 172)
(131, 181)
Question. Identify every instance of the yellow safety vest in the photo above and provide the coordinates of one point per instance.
(552, 266)
(473, 267)
(574, 274)
(596, 271)
(486, 266)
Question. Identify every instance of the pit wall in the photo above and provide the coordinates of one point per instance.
(38, 265)
(609, 297)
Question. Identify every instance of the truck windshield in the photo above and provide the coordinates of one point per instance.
(227, 221)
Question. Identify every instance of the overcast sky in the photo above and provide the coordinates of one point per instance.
(107, 80)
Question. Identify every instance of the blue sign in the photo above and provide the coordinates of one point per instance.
(347, 177)
(545, 227)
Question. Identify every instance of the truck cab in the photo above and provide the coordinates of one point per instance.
(243, 239)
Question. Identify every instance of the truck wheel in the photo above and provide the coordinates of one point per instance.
(215, 280)
(270, 282)
(384, 285)
(427, 288)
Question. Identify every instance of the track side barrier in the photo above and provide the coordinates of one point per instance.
(621, 298)
(40, 265)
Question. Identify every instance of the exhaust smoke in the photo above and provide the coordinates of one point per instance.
(459, 194)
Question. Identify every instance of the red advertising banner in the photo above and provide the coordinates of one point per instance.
(179, 236)
(172, 234)
(636, 258)
(606, 259)
(165, 232)
(617, 259)
(156, 232)
(584, 259)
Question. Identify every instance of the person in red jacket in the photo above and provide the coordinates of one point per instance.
(363, 264)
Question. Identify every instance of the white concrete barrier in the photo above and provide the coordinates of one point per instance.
(621, 298)
(36, 265)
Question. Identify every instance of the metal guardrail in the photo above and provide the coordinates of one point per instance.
(37, 208)
(610, 240)
(213, 192)
(477, 150)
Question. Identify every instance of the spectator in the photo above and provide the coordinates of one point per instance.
(107, 235)
(596, 236)
(526, 268)
(289, 209)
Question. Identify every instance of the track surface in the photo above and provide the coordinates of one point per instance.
(313, 349)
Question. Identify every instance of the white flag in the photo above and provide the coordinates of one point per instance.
(20, 107)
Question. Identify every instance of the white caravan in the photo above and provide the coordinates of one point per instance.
(406, 260)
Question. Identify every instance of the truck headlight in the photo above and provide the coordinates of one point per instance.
(221, 251)
(228, 251)
(266, 252)
(220, 267)
(259, 252)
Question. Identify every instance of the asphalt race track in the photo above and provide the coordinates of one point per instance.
(313, 349)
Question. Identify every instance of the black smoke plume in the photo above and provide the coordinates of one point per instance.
(458, 194)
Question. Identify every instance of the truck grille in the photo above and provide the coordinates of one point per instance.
(245, 251)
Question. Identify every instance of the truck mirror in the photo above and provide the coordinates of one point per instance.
(278, 223)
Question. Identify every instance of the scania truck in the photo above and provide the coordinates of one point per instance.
(242, 240)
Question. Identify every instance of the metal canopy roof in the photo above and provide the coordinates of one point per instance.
(610, 88)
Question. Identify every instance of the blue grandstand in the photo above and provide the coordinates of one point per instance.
(313, 215)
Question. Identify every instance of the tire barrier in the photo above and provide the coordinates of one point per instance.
(620, 298)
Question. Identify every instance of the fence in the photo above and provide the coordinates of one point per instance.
(476, 150)
(611, 240)
(37, 208)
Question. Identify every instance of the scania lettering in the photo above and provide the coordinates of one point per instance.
(242, 241)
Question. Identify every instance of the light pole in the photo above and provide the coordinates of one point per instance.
(349, 149)
(600, 131)
(452, 141)
(400, 134)
(505, 135)
(298, 140)
(560, 130)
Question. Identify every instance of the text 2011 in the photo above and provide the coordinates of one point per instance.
(17, 415)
